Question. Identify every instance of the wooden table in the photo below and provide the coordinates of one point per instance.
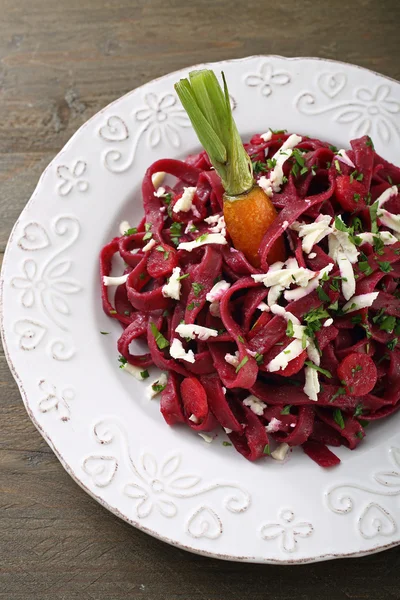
(60, 63)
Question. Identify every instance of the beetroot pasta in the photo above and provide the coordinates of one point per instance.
(294, 345)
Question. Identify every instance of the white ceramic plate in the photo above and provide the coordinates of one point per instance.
(115, 443)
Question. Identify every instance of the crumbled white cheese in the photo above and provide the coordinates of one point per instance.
(213, 219)
(387, 194)
(194, 419)
(347, 275)
(172, 289)
(227, 430)
(157, 178)
(273, 425)
(361, 301)
(193, 331)
(282, 312)
(281, 452)
(160, 192)
(206, 437)
(218, 222)
(115, 280)
(162, 380)
(273, 294)
(177, 351)
(328, 322)
(313, 233)
(150, 244)
(312, 352)
(312, 387)
(273, 182)
(301, 292)
(339, 241)
(385, 236)
(281, 361)
(202, 240)
(344, 158)
(255, 404)
(135, 371)
(232, 359)
(184, 203)
(389, 219)
(266, 136)
(285, 225)
(124, 226)
(263, 307)
(217, 291)
(312, 255)
(224, 390)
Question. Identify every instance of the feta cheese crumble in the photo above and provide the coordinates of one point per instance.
(184, 203)
(177, 351)
(255, 404)
(115, 280)
(202, 240)
(193, 331)
(172, 289)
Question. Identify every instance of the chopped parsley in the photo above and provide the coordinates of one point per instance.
(259, 358)
(105, 332)
(290, 329)
(334, 149)
(158, 387)
(161, 249)
(373, 212)
(161, 341)
(148, 235)
(286, 410)
(358, 411)
(357, 176)
(314, 322)
(356, 197)
(271, 163)
(357, 225)
(182, 276)
(338, 418)
(202, 238)
(379, 245)
(197, 287)
(142, 276)
(224, 443)
(369, 143)
(175, 231)
(365, 268)
(113, 312)
(267, 450)
(144, 374)
(339, 392)
(277, 131)
(337, 165)
(241, 340)
(193, 305)
(322, 295)
(360, 435)
(392, 344)
(123, 361)
(356, 369)
(319, 369)
(130, 231)
(242, 363)
(167, 198)
(385, 266)
(258, 166)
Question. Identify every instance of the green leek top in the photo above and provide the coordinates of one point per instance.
(209, 109)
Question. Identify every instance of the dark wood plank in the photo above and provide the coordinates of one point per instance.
(60, 62)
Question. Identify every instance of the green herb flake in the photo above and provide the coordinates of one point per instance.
(123, 361)
(278, 131)
(369, 143)
(147, 236)
(360, 435)
(271, 163)
(337, 166)
(379, 245)
(185, 276)
(356, 197)
(388, 323)
(142, 276)
(286, 410)
(202, 238)
(358, 411)
(339, 392)
(338, 418)
(241, 340)
(144, 374)
(290, 329)
(392, 344)
(267, 450)
(365, 268)
(334, 149)
(113, 312)
(158, 387)
(130, 231)
(259, 358)
(259, 167)
(242, 363)
(322, 295)
(193, 305)
(373, 212)
(161, 341)
(224, 443)
(105, 332)
(197, 288)
(385, 266)
(319, 369)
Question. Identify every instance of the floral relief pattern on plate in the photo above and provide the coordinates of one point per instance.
(160, 485)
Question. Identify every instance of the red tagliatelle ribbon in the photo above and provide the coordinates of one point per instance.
(209, 392)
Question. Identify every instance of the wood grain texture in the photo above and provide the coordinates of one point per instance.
(60, 62)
